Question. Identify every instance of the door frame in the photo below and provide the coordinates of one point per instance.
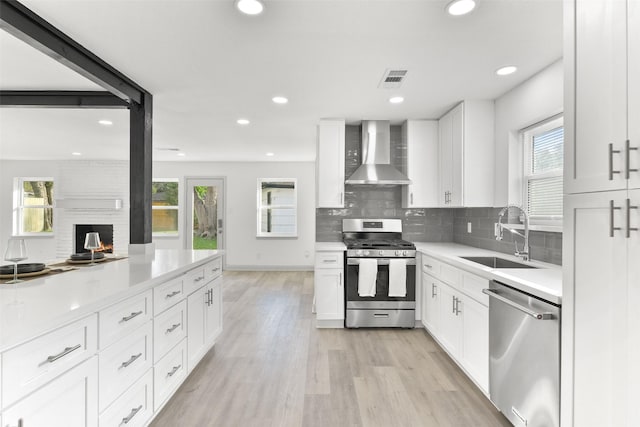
(189, 211)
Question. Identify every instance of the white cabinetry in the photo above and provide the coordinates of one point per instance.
(329, 289)
(421, 138)
(456, 314)
(466, 155)
(70, 400)
(602, 214)
(330, 164)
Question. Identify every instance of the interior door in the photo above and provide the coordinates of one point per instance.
(205, 213)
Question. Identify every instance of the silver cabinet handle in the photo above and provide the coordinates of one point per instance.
(611, 153)
(629, 228)
(172, 294)
(458, 306)
(411, 199)
(131, 360)
(341, 198)
(340, 280)
(453, 305)
(539, 316)
(380, 314)
(172, 328)
(329, 261)
(216, 269)
(628, 149)
(173, 371)
(210, 296)
(197, 279)
(131, 316)
(63, 353)
(132, 414)
(433, 290)
(428, 266)
(612, 227)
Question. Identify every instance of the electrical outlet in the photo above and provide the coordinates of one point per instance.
(468, 227)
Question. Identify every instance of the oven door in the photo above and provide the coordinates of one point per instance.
(381, 300)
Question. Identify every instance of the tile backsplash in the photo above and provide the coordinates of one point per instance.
(422, 225)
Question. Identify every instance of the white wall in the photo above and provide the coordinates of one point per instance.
(244, 249)
(538, 98)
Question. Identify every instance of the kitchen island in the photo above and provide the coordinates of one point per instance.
(108, 343)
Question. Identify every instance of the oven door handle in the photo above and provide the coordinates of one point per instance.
(381, 261)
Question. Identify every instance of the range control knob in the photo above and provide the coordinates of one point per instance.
(404, 253)
(359, 252)
(366, 253)
(398, 253)
(380, 252)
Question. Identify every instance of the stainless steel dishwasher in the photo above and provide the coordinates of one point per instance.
(524, 356)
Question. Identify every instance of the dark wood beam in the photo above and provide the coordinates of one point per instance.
(24, 24)
(60, 99)
(140, 176)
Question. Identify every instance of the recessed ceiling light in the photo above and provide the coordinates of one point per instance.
(460, 7)
(396, 100)
(75, 153)
(105, 122)
(279, 99)
(243, 121)
(181, 154)
(504, 71)
(250, 7)
(270, 154)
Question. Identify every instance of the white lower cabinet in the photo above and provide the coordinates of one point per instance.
(456, 314)
(134, 407)
(69, 401)
(204, 308)
(168, 374)
(328, 282)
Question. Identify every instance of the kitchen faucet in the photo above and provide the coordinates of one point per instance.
(524, 253)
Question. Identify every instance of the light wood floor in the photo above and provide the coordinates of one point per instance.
(272, 367)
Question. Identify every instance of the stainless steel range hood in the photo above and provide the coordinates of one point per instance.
(376, 157)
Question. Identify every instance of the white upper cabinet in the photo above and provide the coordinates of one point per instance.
(421, 138)
(466, 155)
(330, 164)
(598, 61)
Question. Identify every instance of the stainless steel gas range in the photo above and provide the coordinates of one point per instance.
(380, 278)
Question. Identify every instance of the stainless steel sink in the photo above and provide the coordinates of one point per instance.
(495, 262)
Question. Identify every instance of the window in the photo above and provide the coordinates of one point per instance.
(277, 212)
(164, 206)
(33, 206)
(543, 148)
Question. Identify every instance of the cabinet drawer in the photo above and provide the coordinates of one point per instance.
(168, 329)
(134, 407)
(121, 318)
(193, 280)
(122, 363)
(430, 266)
(473, 285)
(213, 269)
(329, 259)
(450, 275)
(168, 373)
(166, 295)
(31, 365)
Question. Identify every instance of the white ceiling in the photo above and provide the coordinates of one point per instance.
(208, 65)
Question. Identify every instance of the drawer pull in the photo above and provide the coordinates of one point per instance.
(216, 269)
(132, 414)
(63, 353)
(131, 316)
(131, 360)
(197, 279)
(172, 294)
(172, 328)
(428, 266)
(329, 261)
(173, 371)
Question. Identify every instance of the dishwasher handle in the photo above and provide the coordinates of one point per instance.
(539, 316)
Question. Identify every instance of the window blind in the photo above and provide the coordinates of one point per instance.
(544, 183)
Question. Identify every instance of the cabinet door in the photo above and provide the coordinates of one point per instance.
(213, 312)
(430, 304)
(633, 50)
(450, 324)
(475, 341)
(594, 331)
(456, 197)
(596, 77)
(445, 155)
(422, 164)
(633, 297)
(69, 400)
(329, 292)
(196, 304)
(330, 164)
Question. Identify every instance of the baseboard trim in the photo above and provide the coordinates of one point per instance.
(268, 267)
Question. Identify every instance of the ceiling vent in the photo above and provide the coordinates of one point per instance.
(392, 78)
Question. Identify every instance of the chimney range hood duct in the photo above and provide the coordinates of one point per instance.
(376, 157)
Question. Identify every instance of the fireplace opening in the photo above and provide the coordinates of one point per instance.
(106, 237)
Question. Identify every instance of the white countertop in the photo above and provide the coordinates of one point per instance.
(52, 301)
(544, 282)
(330, 246)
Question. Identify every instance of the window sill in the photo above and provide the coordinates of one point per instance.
(537, 227)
